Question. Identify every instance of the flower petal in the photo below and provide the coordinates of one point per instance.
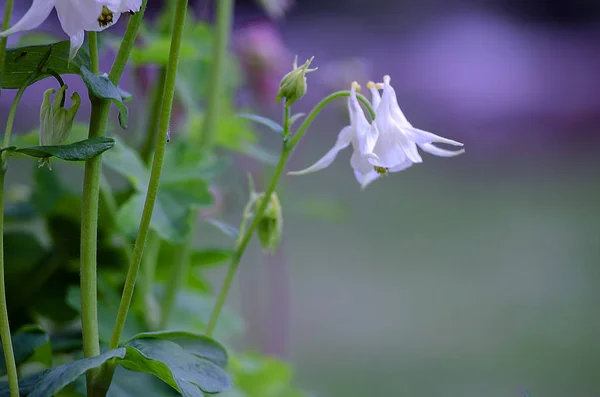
(343, 140)
(365, 179)
(420, 137)
(78, 15)
(436, 151)
(393, 102)
(401, 167)
(76, 43)
(34, 17)
(375, 96)
(130, 5)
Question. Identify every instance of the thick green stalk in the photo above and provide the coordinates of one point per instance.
(89, 237)
(216, 90)
(161, 142)
(93, 44)
(90, 197)
(145, 290)
(288, 147)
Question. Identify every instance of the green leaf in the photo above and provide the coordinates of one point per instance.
(25, 343)
(209, 256)
(267, 122)
(101, 87)
(128, 383)
(58, 377)
(26, 384)
(22, 62)
(181, 370)
(199, 345)
(78, 151)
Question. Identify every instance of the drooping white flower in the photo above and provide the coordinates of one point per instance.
(75, 16)
(396, 147)
(362, 135)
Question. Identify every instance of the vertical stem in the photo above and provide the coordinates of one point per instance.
(9, 357)
(161, 142)
(89, 237)
(148, 270)
(93, 42)
(224, 19)
(176, 279)
(90, 198)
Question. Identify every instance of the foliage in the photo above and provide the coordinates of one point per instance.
(44, 225)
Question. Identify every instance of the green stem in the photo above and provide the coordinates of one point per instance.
(93, 43)
(9, 357)
(224, 19)
(287, 149)
(176, 279)
(89, 236)
(90, 198)
(317, 109)
(161, 142)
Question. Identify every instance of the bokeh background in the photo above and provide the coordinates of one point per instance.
(473, 276)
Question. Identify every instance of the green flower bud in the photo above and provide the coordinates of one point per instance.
(56, 121)
(293, 84)
(270, 225)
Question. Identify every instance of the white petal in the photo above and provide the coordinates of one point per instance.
(37, 13)
(78, 15)
(393, 147)
(375, 96)
(421, 137)
(436, 151)
(76, 43)
(390, 94)
(343, 140)
(365, 179)
(401, 167)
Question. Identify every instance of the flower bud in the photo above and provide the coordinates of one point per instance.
(56, 121)
(293, 84)
(270, 225)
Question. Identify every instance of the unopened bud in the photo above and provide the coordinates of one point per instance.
(270, 225)
(293, 84)
(56, 121)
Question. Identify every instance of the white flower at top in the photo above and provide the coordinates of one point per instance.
(396, 147)
(362, 135)
(75, 16)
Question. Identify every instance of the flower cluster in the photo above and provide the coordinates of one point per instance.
(75, 16)
(388, 144)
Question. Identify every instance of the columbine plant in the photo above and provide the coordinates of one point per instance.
(158, 252)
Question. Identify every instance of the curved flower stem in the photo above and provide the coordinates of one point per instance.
(217, 78)
(161, 142)
(288, 147)
(317, 109)
(9, 357)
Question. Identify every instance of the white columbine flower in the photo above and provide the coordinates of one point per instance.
(396, 147)
(362, 135)
(76, 16)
